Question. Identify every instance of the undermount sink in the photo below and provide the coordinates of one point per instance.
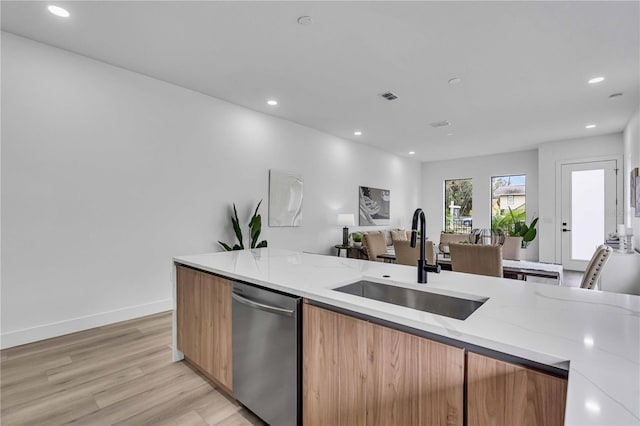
(427, 301)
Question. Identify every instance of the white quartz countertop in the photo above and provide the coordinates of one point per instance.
(597, 334)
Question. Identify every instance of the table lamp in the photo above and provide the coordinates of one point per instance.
(346, 220)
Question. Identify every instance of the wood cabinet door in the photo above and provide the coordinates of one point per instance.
(357, 373)
(412, 380)
(500, 393)
(204, 323)
(188, 315)
(221, 369)
(334, 368)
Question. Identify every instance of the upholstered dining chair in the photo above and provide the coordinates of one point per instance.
(375, 245)
(594, 267)
(407, 255)
(476, 259)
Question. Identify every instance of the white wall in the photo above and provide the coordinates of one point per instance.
(480, 169)
(631, 160)
(551, 154)
(107, 174)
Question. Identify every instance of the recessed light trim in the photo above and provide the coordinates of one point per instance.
(272, 102)
(455, 80)
(596, 80)
(357, 133)
(412, 153)
(590, 126)
(615, 95)
(58, 11)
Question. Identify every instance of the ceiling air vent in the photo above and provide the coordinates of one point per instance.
(443, 123)
(389, 96)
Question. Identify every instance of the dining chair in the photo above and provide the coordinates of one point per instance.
(407, 255)
(375, 245)
(594, 267)
(476, 259)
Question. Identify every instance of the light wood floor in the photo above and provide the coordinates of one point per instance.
(117, 374)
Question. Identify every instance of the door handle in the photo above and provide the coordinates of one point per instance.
(566, 230)
(262, 306)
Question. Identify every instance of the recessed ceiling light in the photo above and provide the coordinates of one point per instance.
(449, 134)
(412, 152)
(357, 133)
(615, 95)
(305, 20)
(58, 11)
(590, 126)
(592, 406)
(272, 102)
(588, 341)
(455, 80)
(596, 80)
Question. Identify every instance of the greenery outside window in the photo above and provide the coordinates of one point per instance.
(458, 206)
(508, 203)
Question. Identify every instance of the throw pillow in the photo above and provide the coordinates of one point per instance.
(399, 235)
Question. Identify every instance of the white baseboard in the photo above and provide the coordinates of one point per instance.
(46, 331)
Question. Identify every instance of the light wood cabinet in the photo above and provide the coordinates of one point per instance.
(334, 368)
(500, 393)
(413, 380)
(358, 373)
(204, 323)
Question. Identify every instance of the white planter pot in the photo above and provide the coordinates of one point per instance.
(511, 249)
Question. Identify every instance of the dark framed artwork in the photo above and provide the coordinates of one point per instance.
(633, 188)
(637, 203)
(375, 206)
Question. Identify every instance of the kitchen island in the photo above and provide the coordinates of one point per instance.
(595, 336)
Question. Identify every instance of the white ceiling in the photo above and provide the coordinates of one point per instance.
(524, 65)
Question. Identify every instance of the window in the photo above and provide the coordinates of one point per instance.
(508, 203)
(458, 205)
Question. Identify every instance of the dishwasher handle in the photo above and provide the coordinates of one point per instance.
(262, 306)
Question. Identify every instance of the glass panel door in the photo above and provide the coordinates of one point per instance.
(588, 210)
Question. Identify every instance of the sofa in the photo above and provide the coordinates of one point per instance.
(388, 234)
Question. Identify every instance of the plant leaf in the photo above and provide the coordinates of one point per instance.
(262, 244)
(236, 226)
(529, 236)
(237, 247)
(256, 227)
(255, 213)
(225, 246)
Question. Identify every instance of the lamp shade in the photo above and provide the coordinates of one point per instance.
(346, 219)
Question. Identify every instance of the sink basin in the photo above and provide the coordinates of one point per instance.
(427, 301)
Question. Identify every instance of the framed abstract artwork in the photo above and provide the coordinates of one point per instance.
(637, 196)
(285, 198)
(375, 206)
(633, 189)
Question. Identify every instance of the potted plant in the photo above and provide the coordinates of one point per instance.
(255, 227)
(518, 235)
(357, 239)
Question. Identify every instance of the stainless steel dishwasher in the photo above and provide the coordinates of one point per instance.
(266, 353)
